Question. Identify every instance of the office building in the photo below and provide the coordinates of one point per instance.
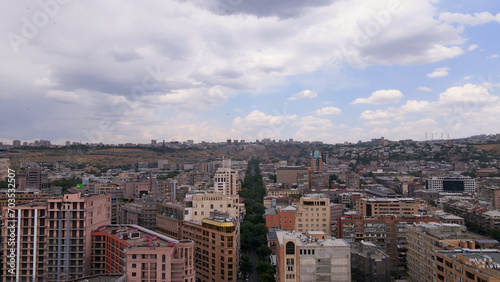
(311, 257)
(451, 184)
(380, 206)
(319, 161)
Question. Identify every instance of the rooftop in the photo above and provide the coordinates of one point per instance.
(486, 261)
(138, 237)
(302, 240)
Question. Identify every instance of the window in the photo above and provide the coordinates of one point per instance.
(134, 274)
(134, 265)
(290, 248)
(470, 275)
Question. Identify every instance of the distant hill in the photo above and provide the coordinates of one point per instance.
(493, 149)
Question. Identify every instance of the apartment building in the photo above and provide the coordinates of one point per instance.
(142, 254)
(226, 181)
(290, 175)
(217, 243)
(282, 192)
(53, 238)
(311, 257)
(425, 239)
(313, 214)
(22, 197)
(199, 206)
(468, 265)
(70, 221)
(380, 206)
(369, 263)
(141, 212)
(283, 218)
(388, 232)
(30, 243)
(4, 168)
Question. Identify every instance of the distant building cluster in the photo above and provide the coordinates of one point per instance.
(374, 211)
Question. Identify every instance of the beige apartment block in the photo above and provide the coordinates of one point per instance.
(199, 206)
(381, 206)
(226, 181)
(425, 239)
(313, 214)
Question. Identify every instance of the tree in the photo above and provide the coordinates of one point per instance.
(266, 277)
(246, 267)
(263, 252)
(265, 268)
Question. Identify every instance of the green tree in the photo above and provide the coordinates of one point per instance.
(265, 267)
(246, 266)
(263, 252)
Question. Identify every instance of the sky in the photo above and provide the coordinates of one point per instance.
(210, 70)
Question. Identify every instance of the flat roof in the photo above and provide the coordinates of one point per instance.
(298, 238)
(147, 239)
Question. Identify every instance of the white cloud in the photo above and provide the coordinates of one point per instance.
(469, 95)
(468, 19)
(460, 110)
(328, 111)
(306, 94)
(439, 72)
(378, 114)
(492, 56)
(207, 59)
(473, 47)
(413, 106)
(381, 97)
(63, 96)
(259, 125)
(423, 88)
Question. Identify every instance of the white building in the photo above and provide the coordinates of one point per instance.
(312, 257)
(226, 181)
(455, 183)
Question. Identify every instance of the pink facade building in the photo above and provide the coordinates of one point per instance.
(53, 239)
(142, 254)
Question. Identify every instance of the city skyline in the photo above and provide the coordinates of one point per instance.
(330, 71)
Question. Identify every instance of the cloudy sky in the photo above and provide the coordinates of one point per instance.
(328, 70)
